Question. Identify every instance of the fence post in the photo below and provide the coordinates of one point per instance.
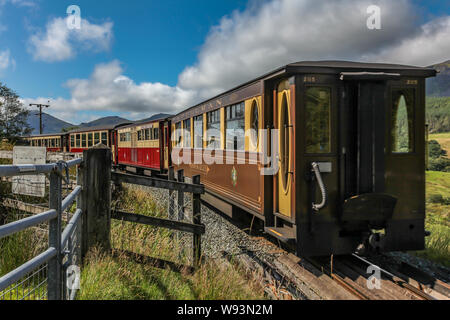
(97, 197)
(171, 177)
(180, 178)
(82, 207)
(54, 274)
(196, 219)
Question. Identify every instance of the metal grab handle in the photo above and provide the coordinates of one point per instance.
(323, 190)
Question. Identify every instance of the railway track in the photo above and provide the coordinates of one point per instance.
(350, 272)
(286, 276)
(332, 278)
(344, 277)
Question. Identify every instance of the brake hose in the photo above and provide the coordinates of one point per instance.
(323, 190)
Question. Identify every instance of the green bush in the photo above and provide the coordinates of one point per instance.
(438, 199)
(439, 164)
(435, 149)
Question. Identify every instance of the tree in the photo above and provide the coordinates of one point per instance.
(63, 130)
(436, 150)
(13, 115)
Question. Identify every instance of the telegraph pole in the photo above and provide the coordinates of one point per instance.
(40, 106)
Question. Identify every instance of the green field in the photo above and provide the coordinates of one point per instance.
(438, 218)
(443, 139)
(108, 277)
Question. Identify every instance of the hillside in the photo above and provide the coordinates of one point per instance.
(438, 114)
(50, 124)
(155, 117)
(105, 121)
(440, 85)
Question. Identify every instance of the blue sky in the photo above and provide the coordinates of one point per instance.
(135, 58)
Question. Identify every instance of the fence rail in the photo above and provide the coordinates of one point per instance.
(90, 225)
(195, 188)
(54, 255)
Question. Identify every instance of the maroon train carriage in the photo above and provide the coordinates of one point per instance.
(54, 142)
(144, 146)
(84, 138)
(351, 154)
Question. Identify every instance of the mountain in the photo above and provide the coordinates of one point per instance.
(50, 124)
(440, 85)
(156, 117)
(105, 121)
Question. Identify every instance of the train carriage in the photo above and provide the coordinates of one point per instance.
(144, 145)
(53, 142)
(84, 138)
(348, 154)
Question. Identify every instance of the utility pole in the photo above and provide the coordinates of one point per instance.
(40, 113)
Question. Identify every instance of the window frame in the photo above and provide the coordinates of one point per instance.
(331, 89)
(212, 115)
(200, 116)
(187, 140)
(230, 115)
(414, 117)
(104, 137)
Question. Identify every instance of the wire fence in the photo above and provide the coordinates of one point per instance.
(37, 260)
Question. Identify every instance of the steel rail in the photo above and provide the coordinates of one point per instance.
(26, 169)
(69, 228)
(20, 225)
(70, 198)
(29, 266)
(398, 281)
(339, 280)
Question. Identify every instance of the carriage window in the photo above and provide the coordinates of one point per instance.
(147, 134)
(317, 120)
(235, 126)
(213, 130)
(187, 133)
(198, 131)
(83, 140)
(155, 134)
(96, 138)
(254, 124)
(105, 138)
(402, 121)
(178, 135)
(72, 141)
(90, 141)
(78, 140)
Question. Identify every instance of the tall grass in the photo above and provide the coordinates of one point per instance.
(109, 277)
(438, 219)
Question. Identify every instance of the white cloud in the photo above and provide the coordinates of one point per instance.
(250, 43)
(261, 38)
(59, 43)
(430, 46)
(108, 89)
(6, 61)
(21, 3)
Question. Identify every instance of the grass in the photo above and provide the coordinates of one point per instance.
(109, 277)
(443, 139)
(17, 249)
(438, 219)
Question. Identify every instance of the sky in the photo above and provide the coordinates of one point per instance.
(137, 58)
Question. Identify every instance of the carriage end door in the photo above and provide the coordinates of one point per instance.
(284, 123)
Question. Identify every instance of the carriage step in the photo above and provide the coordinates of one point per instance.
(285, 234)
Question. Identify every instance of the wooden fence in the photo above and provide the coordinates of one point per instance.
(98, 178)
